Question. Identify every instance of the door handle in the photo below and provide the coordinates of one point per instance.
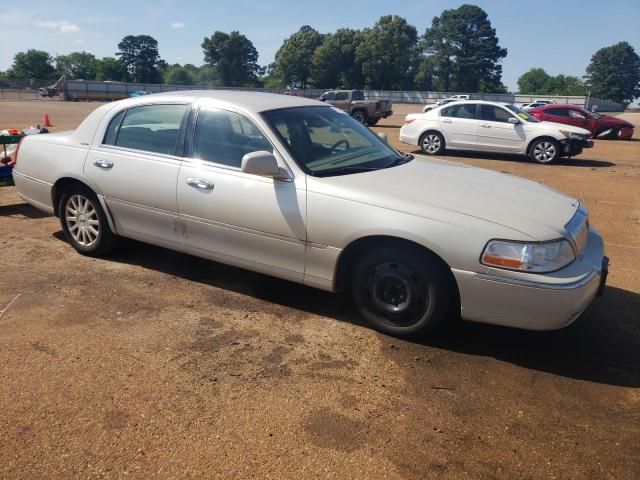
(199, 183)
(485, 125)
(446, 121)
(104, 164)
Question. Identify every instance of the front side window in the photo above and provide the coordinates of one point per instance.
(151, 128)
(325, 141)
(491, 113)
(341, 96)
(357, 95)
(329, 96)
(577, 114)
(225, 137)
(463, 110)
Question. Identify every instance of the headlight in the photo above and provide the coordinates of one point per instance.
(572, 136)
(528, 257)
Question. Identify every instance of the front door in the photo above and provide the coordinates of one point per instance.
(135, 167)
(242, 219)
(459, 125)
(496, 134)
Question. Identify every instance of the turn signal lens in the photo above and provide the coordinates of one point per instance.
(528, 257)
(407, 121)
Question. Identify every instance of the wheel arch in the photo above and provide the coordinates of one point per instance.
(540, 137)
(432, 130)
(356, 248)
(64, 183)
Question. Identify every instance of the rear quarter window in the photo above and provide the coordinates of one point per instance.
(150, 128)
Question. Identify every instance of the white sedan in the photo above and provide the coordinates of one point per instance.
(299, 190)
(492, 127)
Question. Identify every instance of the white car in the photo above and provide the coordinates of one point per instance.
(492, 127)
(444, 101)
(297, 189)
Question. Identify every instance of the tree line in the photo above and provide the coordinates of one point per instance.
(458, 52)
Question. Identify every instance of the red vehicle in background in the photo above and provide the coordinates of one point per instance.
(600, 126)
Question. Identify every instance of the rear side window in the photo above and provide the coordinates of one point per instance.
(225, 137)
(342, 95)
(464, 110)
(558, 112)
(357, 95)
(151, 128)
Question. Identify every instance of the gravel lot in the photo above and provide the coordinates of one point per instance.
(153, 364)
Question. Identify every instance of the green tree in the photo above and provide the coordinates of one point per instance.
(177, 75)
(32, 64)
(77, 65)
(234, 56)
(334, 61)
(139, 54)
(112, 69)
(614, 73)
(537, 81)
(292, 66)
(533, 81)
(463, 51)
(386, 53)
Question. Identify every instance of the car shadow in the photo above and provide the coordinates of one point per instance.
(573, 162)
(603, 346)
(21, 209)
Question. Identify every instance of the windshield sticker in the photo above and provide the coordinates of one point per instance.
(523, 116)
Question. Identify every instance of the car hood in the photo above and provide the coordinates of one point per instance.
(614, 121)
(563, 126)
(423, 184)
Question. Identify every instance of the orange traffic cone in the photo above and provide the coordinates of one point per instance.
(47, 122)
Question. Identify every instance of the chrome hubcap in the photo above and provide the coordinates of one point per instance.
(82, 220)
(544, 152)
(431, 143)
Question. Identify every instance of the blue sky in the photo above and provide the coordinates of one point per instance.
(559, 36)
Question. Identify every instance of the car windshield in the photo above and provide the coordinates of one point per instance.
(589, 114)
(522, 114)
(326, 141)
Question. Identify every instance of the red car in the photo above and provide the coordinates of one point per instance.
(601, 126)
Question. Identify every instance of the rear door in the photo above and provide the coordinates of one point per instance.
(495, 133)
(135, 167)
(460, 125)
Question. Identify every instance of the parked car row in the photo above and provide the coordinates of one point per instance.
(301, 190)
(492, 127)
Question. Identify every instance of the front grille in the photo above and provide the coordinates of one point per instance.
(578, 229)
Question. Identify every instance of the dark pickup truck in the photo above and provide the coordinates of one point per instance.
(353, 102)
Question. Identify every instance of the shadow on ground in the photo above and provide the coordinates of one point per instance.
(603, 346)
(566, 162)
(21, 209)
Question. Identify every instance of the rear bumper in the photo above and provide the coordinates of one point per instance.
(535, 301)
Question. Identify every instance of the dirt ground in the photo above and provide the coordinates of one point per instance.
(154, 364)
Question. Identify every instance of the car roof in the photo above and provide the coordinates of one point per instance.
(250, 101)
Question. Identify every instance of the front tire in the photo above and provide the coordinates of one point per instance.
(432, 143)
(84, 222)
(401, 290)
(360, 116)
(545, 150)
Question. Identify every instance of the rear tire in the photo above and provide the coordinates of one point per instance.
(84, 222)
(545, 151)
(372, 122)
(432, 143)
(401, 290)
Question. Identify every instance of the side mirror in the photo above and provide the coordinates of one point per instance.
(513, 120)
(322, 99)
(263, 163)
(384, 137)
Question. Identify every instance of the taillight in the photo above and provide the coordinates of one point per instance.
(538, 115)
(15, 154)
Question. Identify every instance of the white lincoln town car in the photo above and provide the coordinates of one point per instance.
(297, 189)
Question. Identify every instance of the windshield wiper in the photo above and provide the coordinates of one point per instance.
(347, 169)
